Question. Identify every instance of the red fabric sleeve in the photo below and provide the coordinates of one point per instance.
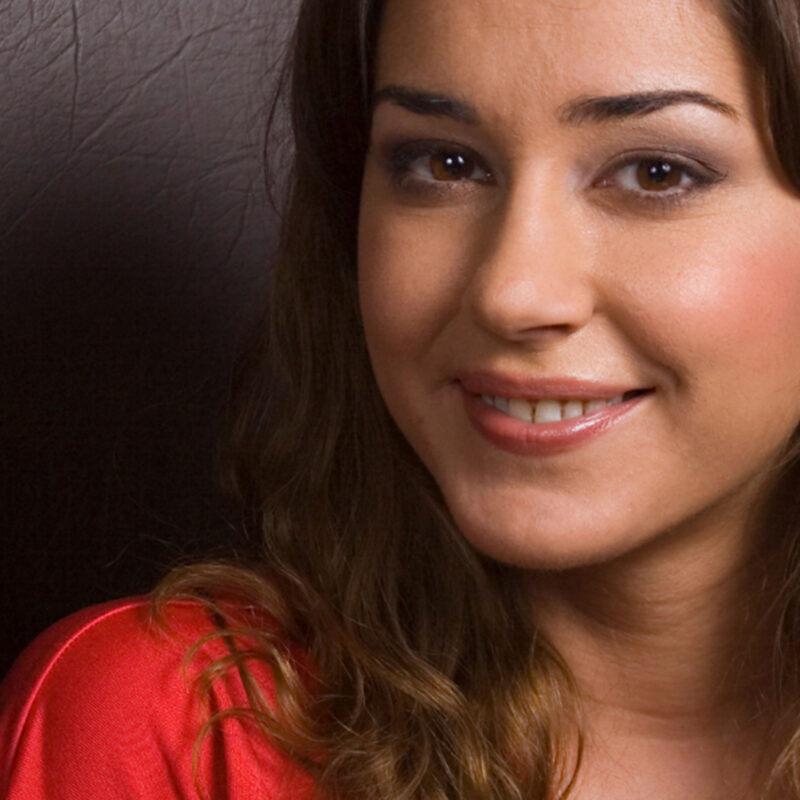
(101, 707)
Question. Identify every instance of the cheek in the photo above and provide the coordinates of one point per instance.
(723, 300)
(412, 269)
(724, 317)
(755, 314)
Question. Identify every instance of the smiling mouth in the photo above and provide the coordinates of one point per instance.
(548, 410)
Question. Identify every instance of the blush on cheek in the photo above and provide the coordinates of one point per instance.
(736, 299)
(760, 300)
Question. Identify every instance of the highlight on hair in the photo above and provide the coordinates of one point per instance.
(429, 680)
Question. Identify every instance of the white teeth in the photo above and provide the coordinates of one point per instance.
(544, 411)
(595, 405)
(548, 411)
(520, 409)
(501, 404)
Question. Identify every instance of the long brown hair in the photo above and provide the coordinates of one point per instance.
(430, 681)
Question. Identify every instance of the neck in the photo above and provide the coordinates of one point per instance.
(666, 639)
(670, 648)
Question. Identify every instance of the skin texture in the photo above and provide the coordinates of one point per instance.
(548, 258)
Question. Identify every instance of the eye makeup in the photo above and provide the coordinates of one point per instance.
(435, 168)
(431, 169)
(657, 178)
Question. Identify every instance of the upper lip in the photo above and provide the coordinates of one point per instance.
(506, 384)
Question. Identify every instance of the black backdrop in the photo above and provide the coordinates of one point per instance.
(134, 244)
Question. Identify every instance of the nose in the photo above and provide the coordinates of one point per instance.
(533, 280)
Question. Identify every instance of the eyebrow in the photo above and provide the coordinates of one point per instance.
(428, 104)
(603, 109)
(576, 112)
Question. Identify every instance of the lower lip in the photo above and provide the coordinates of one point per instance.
(546, 438)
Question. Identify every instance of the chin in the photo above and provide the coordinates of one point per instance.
(535, 545)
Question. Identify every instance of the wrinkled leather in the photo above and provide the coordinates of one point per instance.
(134, 243)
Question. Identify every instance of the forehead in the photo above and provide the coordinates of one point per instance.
(507, 54)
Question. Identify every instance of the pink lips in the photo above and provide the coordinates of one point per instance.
(526, 439)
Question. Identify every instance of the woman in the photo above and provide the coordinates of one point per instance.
(520, 437)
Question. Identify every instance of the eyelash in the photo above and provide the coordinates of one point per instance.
(402, 158)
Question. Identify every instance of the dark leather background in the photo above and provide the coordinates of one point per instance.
(134, 242)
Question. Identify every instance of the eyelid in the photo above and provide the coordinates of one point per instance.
(400, 156)
(702, 174)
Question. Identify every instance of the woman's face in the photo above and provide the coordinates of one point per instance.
(579, 271)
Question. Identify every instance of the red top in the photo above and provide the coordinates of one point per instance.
(100, 707)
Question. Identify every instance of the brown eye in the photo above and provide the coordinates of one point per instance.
(654, 177)
(658, 176)
(438, 166)
(451, 166)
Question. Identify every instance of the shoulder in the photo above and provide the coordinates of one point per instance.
(105, 704)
